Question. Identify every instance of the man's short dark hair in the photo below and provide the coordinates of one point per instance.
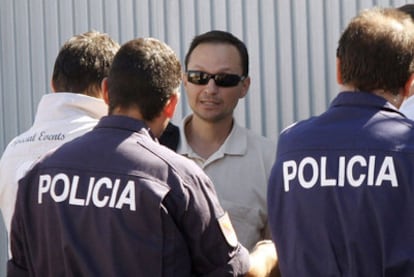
(217, 36)
(145, 73)
(376, 50)
(82, 63)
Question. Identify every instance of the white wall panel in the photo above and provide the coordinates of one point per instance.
(332, 30)
(24, 45)
(300, 59)
(267, 75)
(34, 44)
(284, 68)
(111, 16)
(127, 25)
(80, 15)
(291, 43)
(318, 52)
(236, 24)
(251, 37)
(9, 114)
(51, 37)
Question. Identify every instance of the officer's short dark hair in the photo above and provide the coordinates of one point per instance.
(217, 36)
(145, 73)
(82, 63)
(376, 50)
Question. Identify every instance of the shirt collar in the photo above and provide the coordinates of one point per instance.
(62, 105)
(235, 143)
(361, 98)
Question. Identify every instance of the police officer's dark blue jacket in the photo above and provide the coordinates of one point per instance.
(114, 202)
(341, 192)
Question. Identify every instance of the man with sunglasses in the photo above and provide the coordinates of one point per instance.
(237, 160)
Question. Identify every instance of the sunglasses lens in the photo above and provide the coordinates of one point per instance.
(227, 80)
(198, 77)
(222, 80)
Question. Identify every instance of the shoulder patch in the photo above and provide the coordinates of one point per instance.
(227, 229)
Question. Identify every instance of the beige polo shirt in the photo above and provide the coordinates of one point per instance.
(239, 170)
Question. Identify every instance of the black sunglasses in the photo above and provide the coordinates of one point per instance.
(221, 79)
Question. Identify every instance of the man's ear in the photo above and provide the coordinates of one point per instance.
(246, 85)
(104, 88)
(409, 87)
(169, 108)
(52, 86)
(338, 72)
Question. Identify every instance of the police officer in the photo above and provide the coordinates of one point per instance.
(114, 202)
(340, 195)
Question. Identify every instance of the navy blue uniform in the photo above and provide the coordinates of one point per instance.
(341, 192)
(116, 203)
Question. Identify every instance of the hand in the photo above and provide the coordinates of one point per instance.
(263, 260)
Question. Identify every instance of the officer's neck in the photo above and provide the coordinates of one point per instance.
(395, 99)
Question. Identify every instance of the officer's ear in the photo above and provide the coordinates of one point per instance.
(409, 87)
(169, 108)
(104, 88)
(338, 72)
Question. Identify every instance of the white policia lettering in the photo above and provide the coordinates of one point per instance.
(101, 192)
(295, 170)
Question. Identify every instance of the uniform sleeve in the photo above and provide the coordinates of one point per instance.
(17, 265)
(14, 270)
(215, 250)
